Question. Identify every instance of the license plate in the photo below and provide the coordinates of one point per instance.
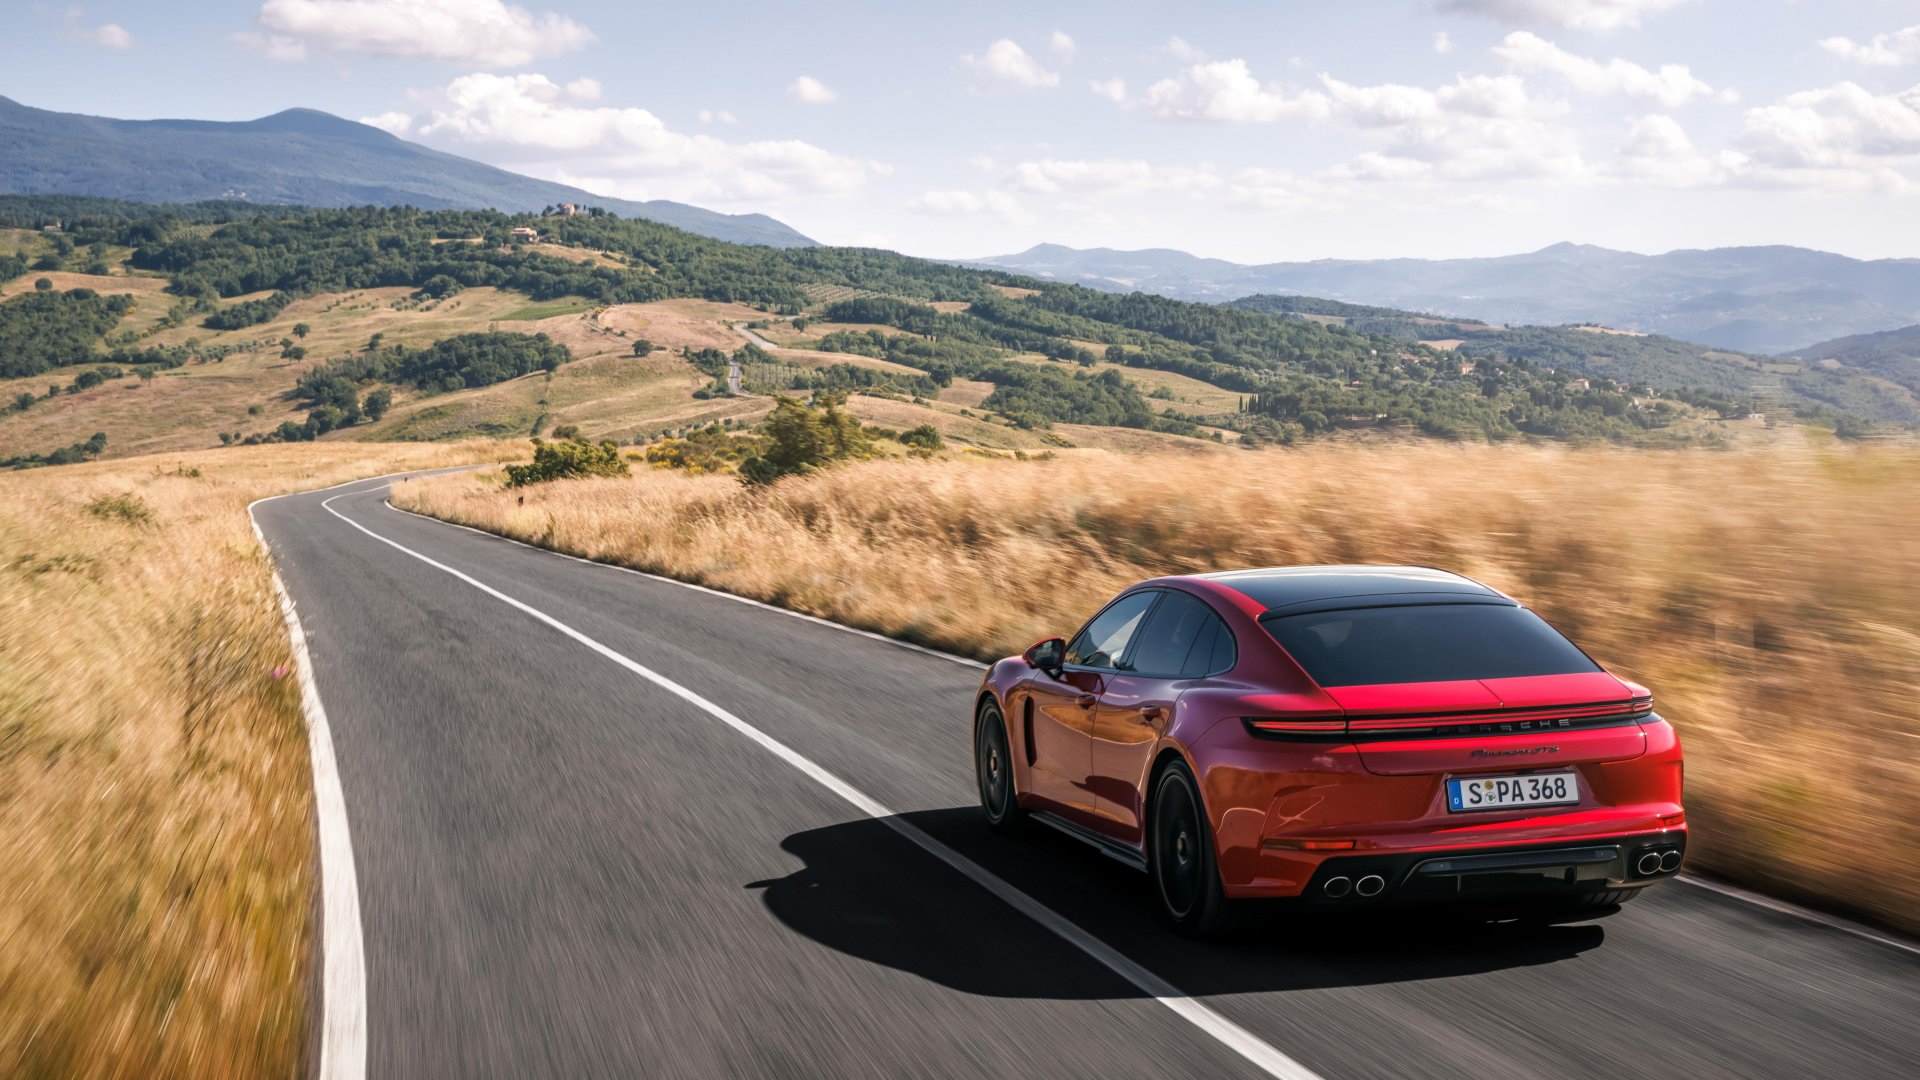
(1469, 793)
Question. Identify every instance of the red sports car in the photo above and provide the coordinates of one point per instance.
(1346, 736)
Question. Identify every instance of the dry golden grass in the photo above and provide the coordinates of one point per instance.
(1768, 596)
(154, 788)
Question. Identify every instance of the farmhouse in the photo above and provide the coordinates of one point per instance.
(525, 232)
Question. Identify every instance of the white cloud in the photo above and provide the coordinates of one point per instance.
(629, 151)
(393, 123)
(1114, 90)
(969, 204)
(1442, 43)
(112, 36)
(1226, 90)
(488, 33)
(1052, 176)
(1477, 127)
(1885, 50)
(808, 90)
(1006, 62)
(1659, 151)
(584, 89)
(1572, 14)
(1840, 126)
(717, 116)
(1672, 85)
(1061, 46)
(1374, 165)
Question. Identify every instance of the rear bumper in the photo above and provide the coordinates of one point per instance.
(1520, 872)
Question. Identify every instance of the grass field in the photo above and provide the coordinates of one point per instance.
(154, 787)
(1767, 595)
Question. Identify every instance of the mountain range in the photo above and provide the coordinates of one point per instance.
(303, 157)
(1754, 299)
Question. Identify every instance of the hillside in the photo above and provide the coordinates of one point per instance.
(1753, 299)
(179, 327)
(1721, 379)
(298, 157)
(1893, 355)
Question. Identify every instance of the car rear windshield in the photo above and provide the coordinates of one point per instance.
(1429, 643)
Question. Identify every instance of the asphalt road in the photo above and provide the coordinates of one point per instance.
(567, 869)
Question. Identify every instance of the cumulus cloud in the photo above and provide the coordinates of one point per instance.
(1885, 50)
(487, 33)
(1006, 62)
(1442, 43)
(1672, 85)
(1114, 90)
(393, 123)
(1226, 90)
(584, 89)
(1571, 14)
(1184, 52)
(1841, 126)
(628, 151)
(717, 116)
(1477, 127)
(1061, 46)
(272, 46)
(808, 90)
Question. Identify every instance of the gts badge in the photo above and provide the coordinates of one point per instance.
(1523, 752)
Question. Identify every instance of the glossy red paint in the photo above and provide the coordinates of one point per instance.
(1293, 774)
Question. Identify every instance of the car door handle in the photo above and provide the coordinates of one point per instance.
(1085, 701)
(1152, 714)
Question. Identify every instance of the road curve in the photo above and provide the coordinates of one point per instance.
(566, 867)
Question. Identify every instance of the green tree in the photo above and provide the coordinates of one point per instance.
(641, 347)
(43, 284)
(801, 439)
(562, 460)
(377, 403)
(301, 329)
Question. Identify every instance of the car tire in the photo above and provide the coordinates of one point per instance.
(1180, 856)
(993, 770)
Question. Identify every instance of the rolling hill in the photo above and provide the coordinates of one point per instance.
(1893, 355)
(299, 157)
(1753, 299)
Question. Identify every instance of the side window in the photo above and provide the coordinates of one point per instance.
(1103, 644)
(1180, 639)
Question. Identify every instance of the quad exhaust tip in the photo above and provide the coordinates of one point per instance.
(1650, 863)
(1371, 885)
(1337, 887)
(1670, 862)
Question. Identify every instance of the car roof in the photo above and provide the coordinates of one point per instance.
(1297, 588)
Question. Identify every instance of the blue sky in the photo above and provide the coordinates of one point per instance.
(1249, 131)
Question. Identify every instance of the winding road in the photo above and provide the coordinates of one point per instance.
(607, 825)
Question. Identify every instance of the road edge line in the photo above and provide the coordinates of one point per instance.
(1255, 1050)
(343, 965)
(1782, 907)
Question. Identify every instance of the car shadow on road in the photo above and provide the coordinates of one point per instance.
(870, 892)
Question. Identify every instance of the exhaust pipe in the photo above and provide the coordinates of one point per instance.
(1649, 864)
(1670, 862)
(1371, 885)
(1337, 887)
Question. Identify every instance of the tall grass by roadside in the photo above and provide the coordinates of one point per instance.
(1770, 597)
(155, 801)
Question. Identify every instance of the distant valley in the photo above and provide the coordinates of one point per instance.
(300, 157)
(1752, 299)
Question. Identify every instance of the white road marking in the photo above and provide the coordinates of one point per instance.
(343, 964)
(722, 594)
(1798, 912)
(1231, 1035)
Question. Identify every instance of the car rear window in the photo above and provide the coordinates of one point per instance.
(1427, 643)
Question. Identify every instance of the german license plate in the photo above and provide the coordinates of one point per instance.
(1468, 793)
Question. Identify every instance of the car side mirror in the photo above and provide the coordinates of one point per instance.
(1049, 656)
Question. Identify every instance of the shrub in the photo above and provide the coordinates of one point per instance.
(567, 431)
(566, 460)
(926, 438)
(43, 285)
(377, 403)
(126, 507)
(801, 438)
(23, 402)
(641, 347)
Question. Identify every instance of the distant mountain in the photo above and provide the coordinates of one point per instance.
(1893, 355)
(1755, 299)
(300, 157)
